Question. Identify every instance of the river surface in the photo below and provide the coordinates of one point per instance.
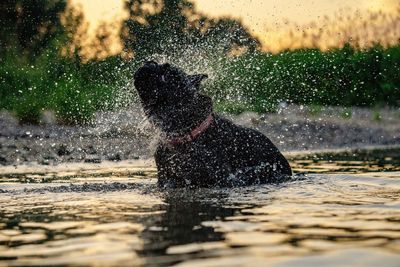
(344, 212)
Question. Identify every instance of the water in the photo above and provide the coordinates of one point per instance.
(347, 214)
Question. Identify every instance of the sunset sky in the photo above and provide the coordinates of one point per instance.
(257, 15)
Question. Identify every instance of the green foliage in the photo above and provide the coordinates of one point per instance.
(344, 77)
(75, 103)
(254, 81)
(74, 91)
(27, 109)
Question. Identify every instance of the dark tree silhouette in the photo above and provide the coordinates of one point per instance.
(172, 25)
(232, 34)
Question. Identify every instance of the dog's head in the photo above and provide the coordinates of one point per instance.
(169, 96)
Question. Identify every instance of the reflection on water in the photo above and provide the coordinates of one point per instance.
(340, 219)
(356, 161)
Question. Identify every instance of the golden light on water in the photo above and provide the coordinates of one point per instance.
(279, 24)
(112, 213)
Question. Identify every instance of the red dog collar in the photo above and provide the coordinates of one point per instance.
(193, 134)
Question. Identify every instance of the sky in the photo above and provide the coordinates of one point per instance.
(259, 12)
(256, 15)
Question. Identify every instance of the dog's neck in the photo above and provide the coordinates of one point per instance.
(196, 132)
(181, 121)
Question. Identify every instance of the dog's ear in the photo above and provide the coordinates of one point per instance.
(195, 80)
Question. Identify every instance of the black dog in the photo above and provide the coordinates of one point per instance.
(202, 149)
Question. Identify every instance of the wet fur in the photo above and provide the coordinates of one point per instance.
(225, 154)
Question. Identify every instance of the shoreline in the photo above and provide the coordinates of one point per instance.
(121, 136)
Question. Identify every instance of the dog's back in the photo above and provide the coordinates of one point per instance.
(224, 155)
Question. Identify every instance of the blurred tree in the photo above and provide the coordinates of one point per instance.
(29, 26)
(231, 34)
(75, 33)
(162, 27)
